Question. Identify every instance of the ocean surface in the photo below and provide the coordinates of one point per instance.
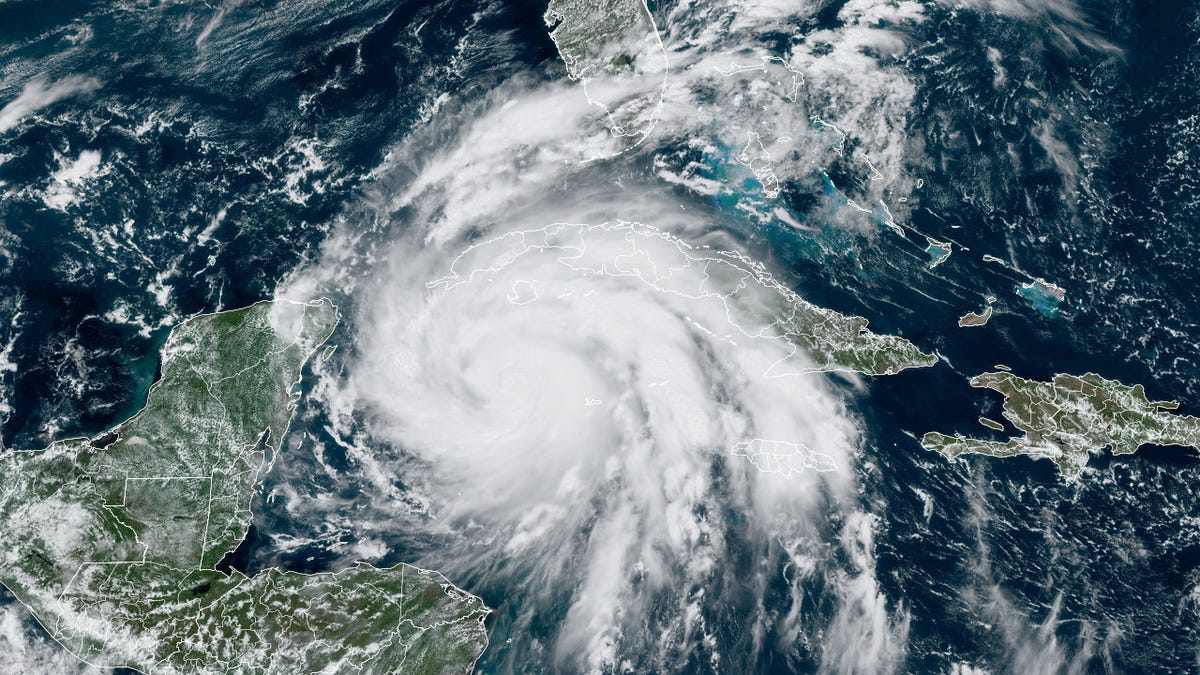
(160, 159)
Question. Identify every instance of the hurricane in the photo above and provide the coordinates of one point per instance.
(575, 428)
(570, 380)
(691, 336)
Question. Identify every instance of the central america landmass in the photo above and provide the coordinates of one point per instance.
(114, 543)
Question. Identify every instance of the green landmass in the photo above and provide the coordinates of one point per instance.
(831, 340)
(824, 340)
(991, 424)
(113, 543)
(613, 49)
(594, 36)
(1070, 417)
(840, 342)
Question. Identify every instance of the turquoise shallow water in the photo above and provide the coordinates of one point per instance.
(190, 213)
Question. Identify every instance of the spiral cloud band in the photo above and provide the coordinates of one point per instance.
(572, 390)
(592, 397)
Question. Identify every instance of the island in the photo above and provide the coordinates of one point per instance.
(1043, 296)
(840, 342)
(118, 544)
(782, 457)
(973, 319)
(815, 339)
(991, 424)
(1070, 417)
(937, 251)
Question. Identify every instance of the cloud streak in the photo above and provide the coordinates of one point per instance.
(39, 93)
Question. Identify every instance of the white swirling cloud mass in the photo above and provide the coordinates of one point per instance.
(596, 429)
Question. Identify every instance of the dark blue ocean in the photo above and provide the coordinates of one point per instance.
(207, 197)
